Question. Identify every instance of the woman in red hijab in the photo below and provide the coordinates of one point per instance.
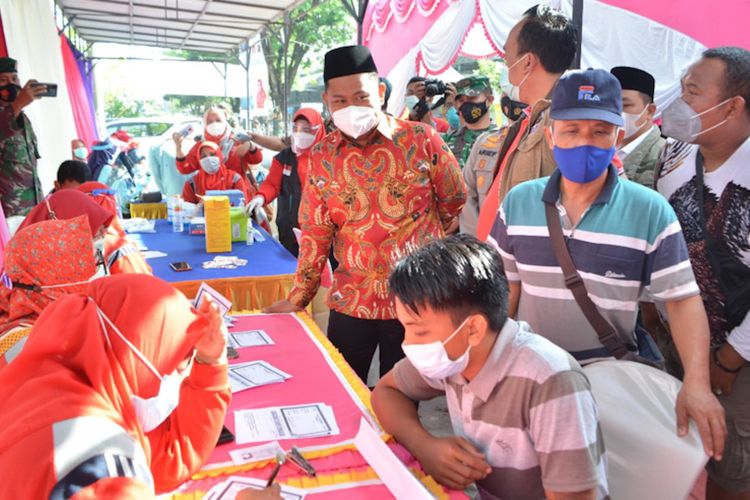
(213, 175)
(121, 255)
(239, 155)
(286, 178)
(120, 392)
(44, 262)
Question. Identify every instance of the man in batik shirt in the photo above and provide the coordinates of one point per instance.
(378, 187)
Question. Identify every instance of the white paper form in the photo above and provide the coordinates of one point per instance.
(229, 489)
(256, 453)
(285, 422)
(250, 338)
(221, 302)
(400, 482)
(254, 374)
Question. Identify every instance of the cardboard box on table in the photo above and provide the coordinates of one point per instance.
(218, 224)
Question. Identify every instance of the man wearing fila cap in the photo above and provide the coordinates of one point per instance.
(377, 189)
(624, 241)
(643, 142)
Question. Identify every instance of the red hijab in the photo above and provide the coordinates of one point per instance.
(68, 370)
(316, 120)
(222, 179)
(51, 252)
(66, 204)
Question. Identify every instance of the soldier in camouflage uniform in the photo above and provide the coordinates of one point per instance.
(473, 98)
(20, 189)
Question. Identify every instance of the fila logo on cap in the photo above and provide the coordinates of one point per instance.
(586, 93)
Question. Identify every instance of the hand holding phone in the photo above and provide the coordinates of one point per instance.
(50, 91)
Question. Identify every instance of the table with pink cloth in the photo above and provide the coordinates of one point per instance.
(319, 375)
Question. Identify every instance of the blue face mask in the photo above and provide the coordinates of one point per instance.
(583, 164)
(453, 120)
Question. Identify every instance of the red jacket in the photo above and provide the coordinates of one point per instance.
(240, 164)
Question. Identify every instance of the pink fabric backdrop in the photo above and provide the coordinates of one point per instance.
(80, 99)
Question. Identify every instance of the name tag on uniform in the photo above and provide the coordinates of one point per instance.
(287, 171)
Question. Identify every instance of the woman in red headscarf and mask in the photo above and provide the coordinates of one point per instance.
(213, 175)
(287, 176)
(120, 392)
(44, 262)
(238, 155)
(121, 254)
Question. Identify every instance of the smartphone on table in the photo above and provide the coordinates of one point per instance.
(180, 266)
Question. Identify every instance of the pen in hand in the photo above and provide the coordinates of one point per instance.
(280, 459)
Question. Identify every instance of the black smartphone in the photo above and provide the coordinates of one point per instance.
(180, 266)
(225, 437)
(51, 89)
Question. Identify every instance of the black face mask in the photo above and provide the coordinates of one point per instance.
(513, 110)
(8, 93)
(473, 111)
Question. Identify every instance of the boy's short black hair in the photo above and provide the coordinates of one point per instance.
(73, 170)
(459, 275)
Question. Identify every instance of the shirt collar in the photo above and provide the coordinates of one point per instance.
(626, 150)
(486, 380)
(552, 190)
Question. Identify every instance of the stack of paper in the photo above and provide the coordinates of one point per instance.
(229, 489)
(244, 376)
(285, 422)
(221, 302)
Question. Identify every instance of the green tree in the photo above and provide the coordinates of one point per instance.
(315, 25)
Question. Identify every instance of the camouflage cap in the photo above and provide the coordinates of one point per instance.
(8, 65)
(473, 86)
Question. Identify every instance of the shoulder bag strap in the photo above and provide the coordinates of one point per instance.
(573, 281)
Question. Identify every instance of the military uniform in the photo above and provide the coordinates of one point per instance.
(20, 189)
(461, 141)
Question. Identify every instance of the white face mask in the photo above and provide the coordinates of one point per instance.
(302, 141)
(151, 412)
(210, 164)
(631, 126)
(216, 129)
(410, 102)
(512, 91)
(356, 121)
(681, 122)
(432, 361)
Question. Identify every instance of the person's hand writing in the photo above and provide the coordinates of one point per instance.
(282, 306)
(452, 461)
(697, 402)
(273, 492)
(211, 348)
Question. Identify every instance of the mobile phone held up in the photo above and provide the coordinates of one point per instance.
(180, 266)
(51, 89)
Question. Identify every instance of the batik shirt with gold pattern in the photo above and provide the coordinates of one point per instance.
(374, 204)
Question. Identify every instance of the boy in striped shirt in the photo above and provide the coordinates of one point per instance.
(526, 425)
(624, 239)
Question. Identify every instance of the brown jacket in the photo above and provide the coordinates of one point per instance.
(532, 158)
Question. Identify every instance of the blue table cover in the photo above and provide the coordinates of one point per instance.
(266, 258)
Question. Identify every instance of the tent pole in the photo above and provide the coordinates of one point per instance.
(578, 21)
(247, 86)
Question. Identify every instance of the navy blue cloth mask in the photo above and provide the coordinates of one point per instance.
(583, 164)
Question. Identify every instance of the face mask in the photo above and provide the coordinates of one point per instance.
(513, 91)
(411, 101)
(473, 111)
(631, 126)
(302, 141)
(681, 122)
(216, 129)
(8, 93)
(583, 164)
(453, 120)
(432, 361)
(513, 110)
(356, 121)
(210, 164)
(151, 412)
(80, 153)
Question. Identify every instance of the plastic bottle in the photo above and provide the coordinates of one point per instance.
(178, 225)
(249, 237)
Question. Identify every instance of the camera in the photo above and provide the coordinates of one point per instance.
(434, 87)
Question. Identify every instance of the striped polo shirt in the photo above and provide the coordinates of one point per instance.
(628, 246)
(529, 410)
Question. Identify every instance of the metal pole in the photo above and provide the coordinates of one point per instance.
(361, 20)
(247, 85)
(578, 21)
(285, 100)
(225, 80)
